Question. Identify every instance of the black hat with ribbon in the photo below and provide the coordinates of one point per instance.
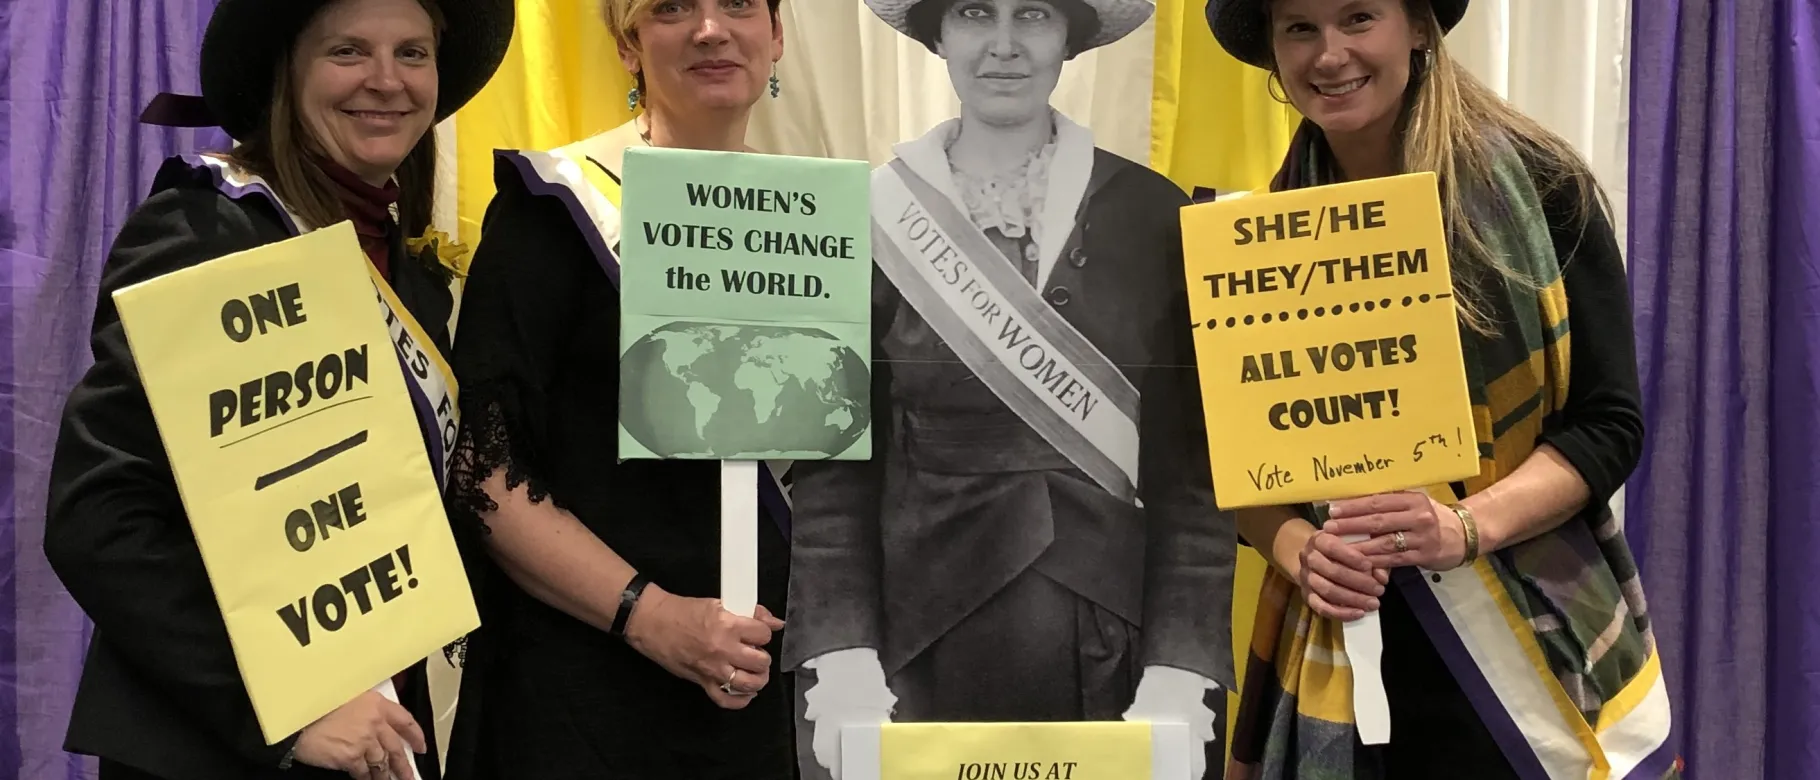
(1243, 26)
(246, 39)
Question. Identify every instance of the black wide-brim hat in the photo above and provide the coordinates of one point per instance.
(1243, 26)
(246, 40)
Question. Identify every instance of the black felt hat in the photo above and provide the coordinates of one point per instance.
(246, 39)
(1242, 26)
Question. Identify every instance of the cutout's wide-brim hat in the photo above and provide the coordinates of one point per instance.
(1243, 26)
(1117, 18)
(246, 40)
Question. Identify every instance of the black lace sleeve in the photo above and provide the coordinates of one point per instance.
(519, 309)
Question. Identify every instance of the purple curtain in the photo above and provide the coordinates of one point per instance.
(73, 78)
(1725, 184)
(1794, 650)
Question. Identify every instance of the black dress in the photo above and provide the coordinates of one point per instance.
(543, 694)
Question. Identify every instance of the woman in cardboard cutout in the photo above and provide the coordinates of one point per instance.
(1036, 539)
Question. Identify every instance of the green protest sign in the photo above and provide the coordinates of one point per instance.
(745, 294)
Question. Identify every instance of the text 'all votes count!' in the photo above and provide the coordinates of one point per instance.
(1328, 342)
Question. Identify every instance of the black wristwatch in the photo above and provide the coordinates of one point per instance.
(627, 599)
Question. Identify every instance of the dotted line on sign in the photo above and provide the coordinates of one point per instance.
(1322, 311)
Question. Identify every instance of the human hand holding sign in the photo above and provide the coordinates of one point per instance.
(1406, 528)
(697, 639)
(850, 690)
(364, 738)
(1337, 580)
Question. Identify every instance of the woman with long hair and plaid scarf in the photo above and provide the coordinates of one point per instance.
(1516, 642)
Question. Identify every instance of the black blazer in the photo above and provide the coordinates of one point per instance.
(160, 689)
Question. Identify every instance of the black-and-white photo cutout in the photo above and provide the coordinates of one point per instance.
(1036, 537)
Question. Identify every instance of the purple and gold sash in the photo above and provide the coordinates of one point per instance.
(431, 383)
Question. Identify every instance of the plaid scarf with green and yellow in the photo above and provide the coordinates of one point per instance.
(1549, 638)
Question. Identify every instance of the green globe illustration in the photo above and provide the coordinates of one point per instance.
(712, 390)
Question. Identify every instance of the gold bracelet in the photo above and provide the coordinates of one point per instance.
(1471, 527)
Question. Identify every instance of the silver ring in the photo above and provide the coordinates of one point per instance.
(1401, 540)
(727, 687)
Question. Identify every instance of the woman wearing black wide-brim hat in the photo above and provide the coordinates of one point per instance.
(332, 102)
(1515, 638)
(1007, 555)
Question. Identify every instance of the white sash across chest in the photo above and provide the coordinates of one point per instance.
(1024, 351)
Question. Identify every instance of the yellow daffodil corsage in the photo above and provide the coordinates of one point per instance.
(438, 249)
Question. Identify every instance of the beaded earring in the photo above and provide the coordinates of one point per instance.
(632, 99)
(774, 85)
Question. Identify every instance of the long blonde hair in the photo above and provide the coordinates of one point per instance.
(1446, 133)
(1455, 126)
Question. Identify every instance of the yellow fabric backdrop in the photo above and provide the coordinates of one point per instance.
(561, 81)
(1214, 124)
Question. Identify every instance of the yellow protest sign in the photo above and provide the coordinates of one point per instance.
(1326, 334)
(1015, 751)
(281, 402)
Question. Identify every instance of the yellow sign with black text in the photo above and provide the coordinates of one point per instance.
(282, 404)
(1015, 751)
(1328, 343)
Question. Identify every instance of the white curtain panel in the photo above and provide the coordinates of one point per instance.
(1566, 63)
(443, 214)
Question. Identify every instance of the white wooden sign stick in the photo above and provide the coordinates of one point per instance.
(1364, 642)
(739, 536)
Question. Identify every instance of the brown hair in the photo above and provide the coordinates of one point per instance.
(622, 18)
(281, 148)
(1452, 125)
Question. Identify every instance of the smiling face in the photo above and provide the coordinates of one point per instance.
(366, 81)
(1344, 63)
(1004, 56)
(705, 54)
